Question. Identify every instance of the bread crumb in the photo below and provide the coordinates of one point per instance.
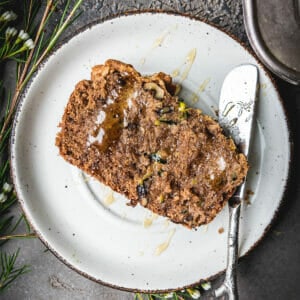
(221, 230)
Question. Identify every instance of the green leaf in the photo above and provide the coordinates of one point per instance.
(8, 269)
(26, 64)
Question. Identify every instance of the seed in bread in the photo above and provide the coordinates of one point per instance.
(133, 134)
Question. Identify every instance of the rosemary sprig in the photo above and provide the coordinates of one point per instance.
(28, 54)
(8, 271)
(27, 46)
(2, 3)
(30, 68)
(186, 294)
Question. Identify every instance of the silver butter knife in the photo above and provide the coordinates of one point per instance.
(236, 115)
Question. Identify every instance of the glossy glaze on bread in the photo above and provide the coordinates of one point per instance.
(133, 134)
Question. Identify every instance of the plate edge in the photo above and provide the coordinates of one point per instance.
(132, 13)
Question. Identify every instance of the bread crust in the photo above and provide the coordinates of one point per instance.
(133, 134)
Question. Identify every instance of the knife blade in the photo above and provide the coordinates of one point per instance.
(236, 115)
(237, 104)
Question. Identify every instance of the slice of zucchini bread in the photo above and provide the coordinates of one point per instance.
(131, 133)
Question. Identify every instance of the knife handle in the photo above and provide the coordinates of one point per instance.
(229, 286)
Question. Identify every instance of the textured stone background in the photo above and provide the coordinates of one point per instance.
(269, 272)
(226, 14)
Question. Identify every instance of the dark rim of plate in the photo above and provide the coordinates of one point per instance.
(19, 108)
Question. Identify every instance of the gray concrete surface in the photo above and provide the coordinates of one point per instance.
(271, 271)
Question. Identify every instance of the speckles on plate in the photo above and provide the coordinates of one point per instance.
(107, 229)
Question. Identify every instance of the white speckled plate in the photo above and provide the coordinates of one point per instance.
(77, 218)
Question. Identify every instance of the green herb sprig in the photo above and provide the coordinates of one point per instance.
(27, 44)
(27, 47)
(186, 294)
